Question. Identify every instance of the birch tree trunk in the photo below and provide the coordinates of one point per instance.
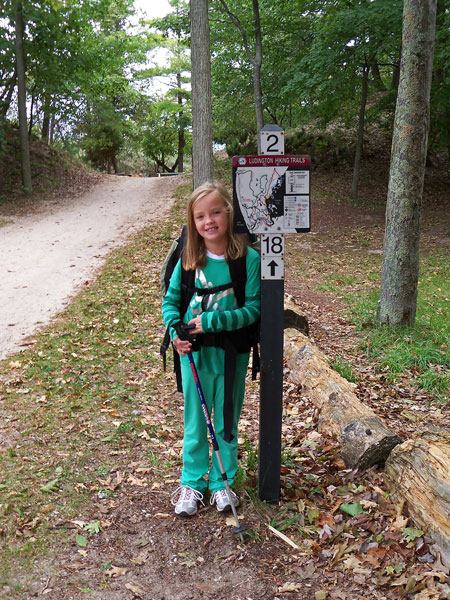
(22, 101)
(202, 156)
(400, 271)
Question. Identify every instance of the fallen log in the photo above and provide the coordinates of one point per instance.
(294, 318)
(418, 472)
(364, 437)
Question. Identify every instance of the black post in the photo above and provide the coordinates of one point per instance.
(271, 141)
(271, 399)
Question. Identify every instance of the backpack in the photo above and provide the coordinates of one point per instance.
(233, 342)
(171, 260)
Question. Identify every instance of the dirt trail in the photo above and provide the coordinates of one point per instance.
(46, 257)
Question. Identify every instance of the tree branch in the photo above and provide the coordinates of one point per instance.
(237, 23)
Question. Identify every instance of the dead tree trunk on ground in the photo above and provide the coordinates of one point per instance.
(364, 437)
(418, 472)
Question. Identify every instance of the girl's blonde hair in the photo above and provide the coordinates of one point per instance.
(194, 253)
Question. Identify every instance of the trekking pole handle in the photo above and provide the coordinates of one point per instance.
(182, 329)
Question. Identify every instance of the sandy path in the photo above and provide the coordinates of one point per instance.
(45, 258)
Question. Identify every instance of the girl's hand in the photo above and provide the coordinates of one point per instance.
(198, 325)
(182, 346)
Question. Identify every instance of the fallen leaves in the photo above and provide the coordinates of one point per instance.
(115, 571)
(51, 486)
(81, 540)
(336, 531)
(136, 589)
(141, 558)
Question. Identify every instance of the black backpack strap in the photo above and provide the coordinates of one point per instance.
(176, 254)
(187, 289)
(238, 274)
(229, 376)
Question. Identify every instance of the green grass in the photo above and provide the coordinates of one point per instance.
(345, 368)
(421, 352)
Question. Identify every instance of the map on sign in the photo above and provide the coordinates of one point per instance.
(271, 194)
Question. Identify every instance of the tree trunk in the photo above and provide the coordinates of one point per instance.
(418, 472)
(22, 101)
(364, 438)
(202, 156)
(181, 137)
(257, 63)
(400, 271)
(395, 78)
(45, 130)
(255, 59)
(45, 127)
(30, 120)
(378, 82)
(52, 129)
(7, 96)
(360, 138)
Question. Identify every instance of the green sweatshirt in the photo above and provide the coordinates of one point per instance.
(222, 311)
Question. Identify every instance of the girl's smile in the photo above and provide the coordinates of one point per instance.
(211, 222)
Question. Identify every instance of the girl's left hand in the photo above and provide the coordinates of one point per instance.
(198, 325)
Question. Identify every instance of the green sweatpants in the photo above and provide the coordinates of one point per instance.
(196, 444)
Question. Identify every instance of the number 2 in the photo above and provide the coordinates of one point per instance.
(272, 147)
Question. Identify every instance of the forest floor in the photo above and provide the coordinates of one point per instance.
(91, 438)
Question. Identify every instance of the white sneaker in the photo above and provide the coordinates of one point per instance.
(186, 499)
(222, 501)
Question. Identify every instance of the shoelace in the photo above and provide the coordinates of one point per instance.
(185, 494)
(224, 495)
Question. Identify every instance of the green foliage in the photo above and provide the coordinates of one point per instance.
(410, 534)
(51, 486)
(351, 509)
(81, 540)
(104, 136)
(160, 142)
(440, 87)
(81, 59)
(93, 527)
(252, 455)
(344, 368)
(82, 56)
(346, 37)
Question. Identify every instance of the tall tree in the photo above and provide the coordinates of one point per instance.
(202, 155)
(255, 56)
(400, 271)
(22, 100)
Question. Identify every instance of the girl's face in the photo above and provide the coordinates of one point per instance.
(211, 221)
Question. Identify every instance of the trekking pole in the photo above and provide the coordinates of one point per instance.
(183, 330)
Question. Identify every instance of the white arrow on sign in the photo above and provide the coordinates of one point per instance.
(272, 268)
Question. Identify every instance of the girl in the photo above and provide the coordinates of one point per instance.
(211, 243)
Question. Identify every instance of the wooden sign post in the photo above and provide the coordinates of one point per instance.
(271, 198)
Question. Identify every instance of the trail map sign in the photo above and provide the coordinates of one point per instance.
(271, 194)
